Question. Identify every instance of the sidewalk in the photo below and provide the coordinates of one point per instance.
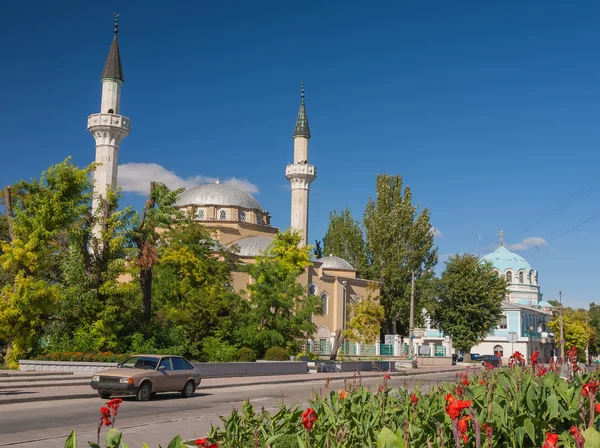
(69, 392)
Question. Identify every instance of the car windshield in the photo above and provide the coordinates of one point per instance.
(141, 362)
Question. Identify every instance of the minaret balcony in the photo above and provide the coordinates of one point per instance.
(101, 122)
(300, 170)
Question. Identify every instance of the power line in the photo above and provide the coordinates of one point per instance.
(566, 231)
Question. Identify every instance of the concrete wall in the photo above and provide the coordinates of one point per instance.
(434, 360)
(208, 369)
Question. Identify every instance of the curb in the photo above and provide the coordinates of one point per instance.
(350, 375)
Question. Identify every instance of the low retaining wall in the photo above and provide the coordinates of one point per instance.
(208, 369)
(348, 366)
(434, 360)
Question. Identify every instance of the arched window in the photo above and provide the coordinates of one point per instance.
(222, 214)
(243, 216)
(509, 276)
(498, 350)
(324, 303)
(259, 219)
(503, 325)
(532, 277)
(312, 289)
(201, 213)
(521, 276)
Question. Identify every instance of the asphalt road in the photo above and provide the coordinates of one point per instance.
(47, 424)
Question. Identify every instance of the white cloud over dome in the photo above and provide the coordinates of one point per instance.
(528, 243)
(136, 178)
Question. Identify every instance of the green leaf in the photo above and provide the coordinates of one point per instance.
(552, 403)
(113, 439)
(530, 398)
(387, 439)
(71, 441)
(93, 445)
(530, 429)
(592, 438)
(145, 445)
(301, 443)
(520, 433)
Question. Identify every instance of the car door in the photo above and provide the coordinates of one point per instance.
(165, 380)
(180, 372)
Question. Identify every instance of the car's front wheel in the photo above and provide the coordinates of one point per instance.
(104, 395)
(189, 389)
(144, 392)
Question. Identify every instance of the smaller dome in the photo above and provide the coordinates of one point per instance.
(251, 246)
(218, 194)
(336, 263)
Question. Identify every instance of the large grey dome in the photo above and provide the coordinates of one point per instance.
(218, 194)
(336, 263)
(251, 246)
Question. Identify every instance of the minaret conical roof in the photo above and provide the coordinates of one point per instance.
(302, 129)
(112, 67)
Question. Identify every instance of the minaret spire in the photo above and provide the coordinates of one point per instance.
(108, 128)
(302, 129)
(300, 173)
(112, 67)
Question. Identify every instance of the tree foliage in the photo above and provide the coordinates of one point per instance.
(344, 238)
(366, 317)
(578, 332)
(280, 310)
(469, 300)
(399, 241)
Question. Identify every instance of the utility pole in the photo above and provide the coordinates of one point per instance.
(411, 322)
(562, 335)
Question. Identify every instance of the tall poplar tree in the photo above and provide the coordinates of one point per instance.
(399, 242)
(344, 239)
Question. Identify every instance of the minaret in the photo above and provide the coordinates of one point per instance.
(300, 174)
(108, 127)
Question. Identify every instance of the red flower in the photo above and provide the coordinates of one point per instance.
(449, 398)
(212, 445)
(106, 421)
(455, 406)
(488, 430)
(551, 440)
(542, 372)
(465, 438)
(534, 357)
(463, 424)
(387, 376)
(590, 388)
(114, 405)
(482, 382)
(579, 440)
(105, 412)
(488, 365)
(465, 382)
(414, 399)
(598, 407)
(309, 417)
(201, 442)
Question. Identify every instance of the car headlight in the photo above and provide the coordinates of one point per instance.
(96, 378)
(126, 380)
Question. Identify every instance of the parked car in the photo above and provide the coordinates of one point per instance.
(475, 357)
(146, 375)
(492, 359)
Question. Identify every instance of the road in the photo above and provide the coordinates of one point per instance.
(47, 424)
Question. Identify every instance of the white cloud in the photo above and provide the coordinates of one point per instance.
(528, 243)
(136, 178)
(436, 232)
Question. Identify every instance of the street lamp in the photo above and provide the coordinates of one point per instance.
(539, 331)
(562, 336)
(530, 341)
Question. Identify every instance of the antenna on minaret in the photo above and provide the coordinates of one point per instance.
(116, 23)
(302, 93)
(501, 237)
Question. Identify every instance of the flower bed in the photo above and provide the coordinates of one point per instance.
(509, 407)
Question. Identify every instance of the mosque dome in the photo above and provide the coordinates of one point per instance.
(503, 259)
(335, 263)
(251, 246)
(218, 194)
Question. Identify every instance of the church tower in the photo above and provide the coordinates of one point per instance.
(108, 127)
(300, 174)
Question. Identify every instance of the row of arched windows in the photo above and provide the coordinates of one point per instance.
(532, 277)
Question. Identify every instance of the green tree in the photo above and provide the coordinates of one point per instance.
(45, 212)
(280, 310)
(344, 239)
(158, 215)
(193, 288)
(594, 322)
(577, 331)
(366, 317)
(469, 301)
(399, 242)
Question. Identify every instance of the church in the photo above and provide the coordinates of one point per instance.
(237, 220)
(524, 324)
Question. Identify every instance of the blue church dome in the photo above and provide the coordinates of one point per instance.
(503, 259)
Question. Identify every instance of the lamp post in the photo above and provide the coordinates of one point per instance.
(411, 318)
(539, 331)
(562, 335)
(530, 342)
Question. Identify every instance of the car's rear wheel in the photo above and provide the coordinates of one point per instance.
(189, 389)
(104, 395)
(144, 392)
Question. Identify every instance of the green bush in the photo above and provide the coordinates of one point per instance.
(246, 354)
(216, 350)
(277, 354)
(82, 357)
(310, 356)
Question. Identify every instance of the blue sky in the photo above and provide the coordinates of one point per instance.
(488, 109)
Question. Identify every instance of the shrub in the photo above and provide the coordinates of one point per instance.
(82, 357)
(217, 350)
(277, 354)
(246, 354)
(310, 356)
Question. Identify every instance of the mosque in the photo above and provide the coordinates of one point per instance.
(236, 218)
(524, 324)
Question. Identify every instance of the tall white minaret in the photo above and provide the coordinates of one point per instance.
(301, 174)
(108, 127)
